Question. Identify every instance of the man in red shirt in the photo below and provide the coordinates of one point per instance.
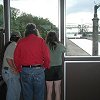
(31, 57)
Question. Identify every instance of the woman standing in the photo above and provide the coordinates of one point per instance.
(9, 71)
(54, 74)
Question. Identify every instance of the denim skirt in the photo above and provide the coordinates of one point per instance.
(54, 73)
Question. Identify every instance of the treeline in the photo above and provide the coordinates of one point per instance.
(20, 19)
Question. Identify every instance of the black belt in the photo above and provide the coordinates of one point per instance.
(32, 66)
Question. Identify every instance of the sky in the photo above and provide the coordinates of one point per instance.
(41, 8)
(81, 11)
(77, 11)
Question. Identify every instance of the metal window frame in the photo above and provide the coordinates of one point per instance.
(7, 19)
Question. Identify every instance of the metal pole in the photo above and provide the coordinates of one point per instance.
(95, 32)
(61, 24)
(7, 19)
(61, 31)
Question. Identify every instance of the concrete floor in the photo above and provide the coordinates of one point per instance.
(74, 50)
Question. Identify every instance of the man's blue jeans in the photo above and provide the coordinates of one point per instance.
(33, 83)
(13, 84)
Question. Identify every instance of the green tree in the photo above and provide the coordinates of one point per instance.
(19, 21)
(22, 20)
(1, 16)
(14, 14)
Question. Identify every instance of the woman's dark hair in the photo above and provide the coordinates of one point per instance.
(30, 29)
(52, 40)
(14, 38)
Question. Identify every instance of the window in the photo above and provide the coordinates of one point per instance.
(1, 13)
(41, 12)
(82, 36)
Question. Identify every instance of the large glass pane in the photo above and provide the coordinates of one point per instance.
(82, 36)
(44, 13)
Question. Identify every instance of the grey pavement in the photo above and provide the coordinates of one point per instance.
(74, 50)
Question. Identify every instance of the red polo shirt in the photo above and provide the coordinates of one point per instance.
(31, 50)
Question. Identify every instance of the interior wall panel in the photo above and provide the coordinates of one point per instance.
(83, 81)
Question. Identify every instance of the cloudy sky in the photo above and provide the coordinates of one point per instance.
(81, 11)
(77, 11)
(41, 8)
